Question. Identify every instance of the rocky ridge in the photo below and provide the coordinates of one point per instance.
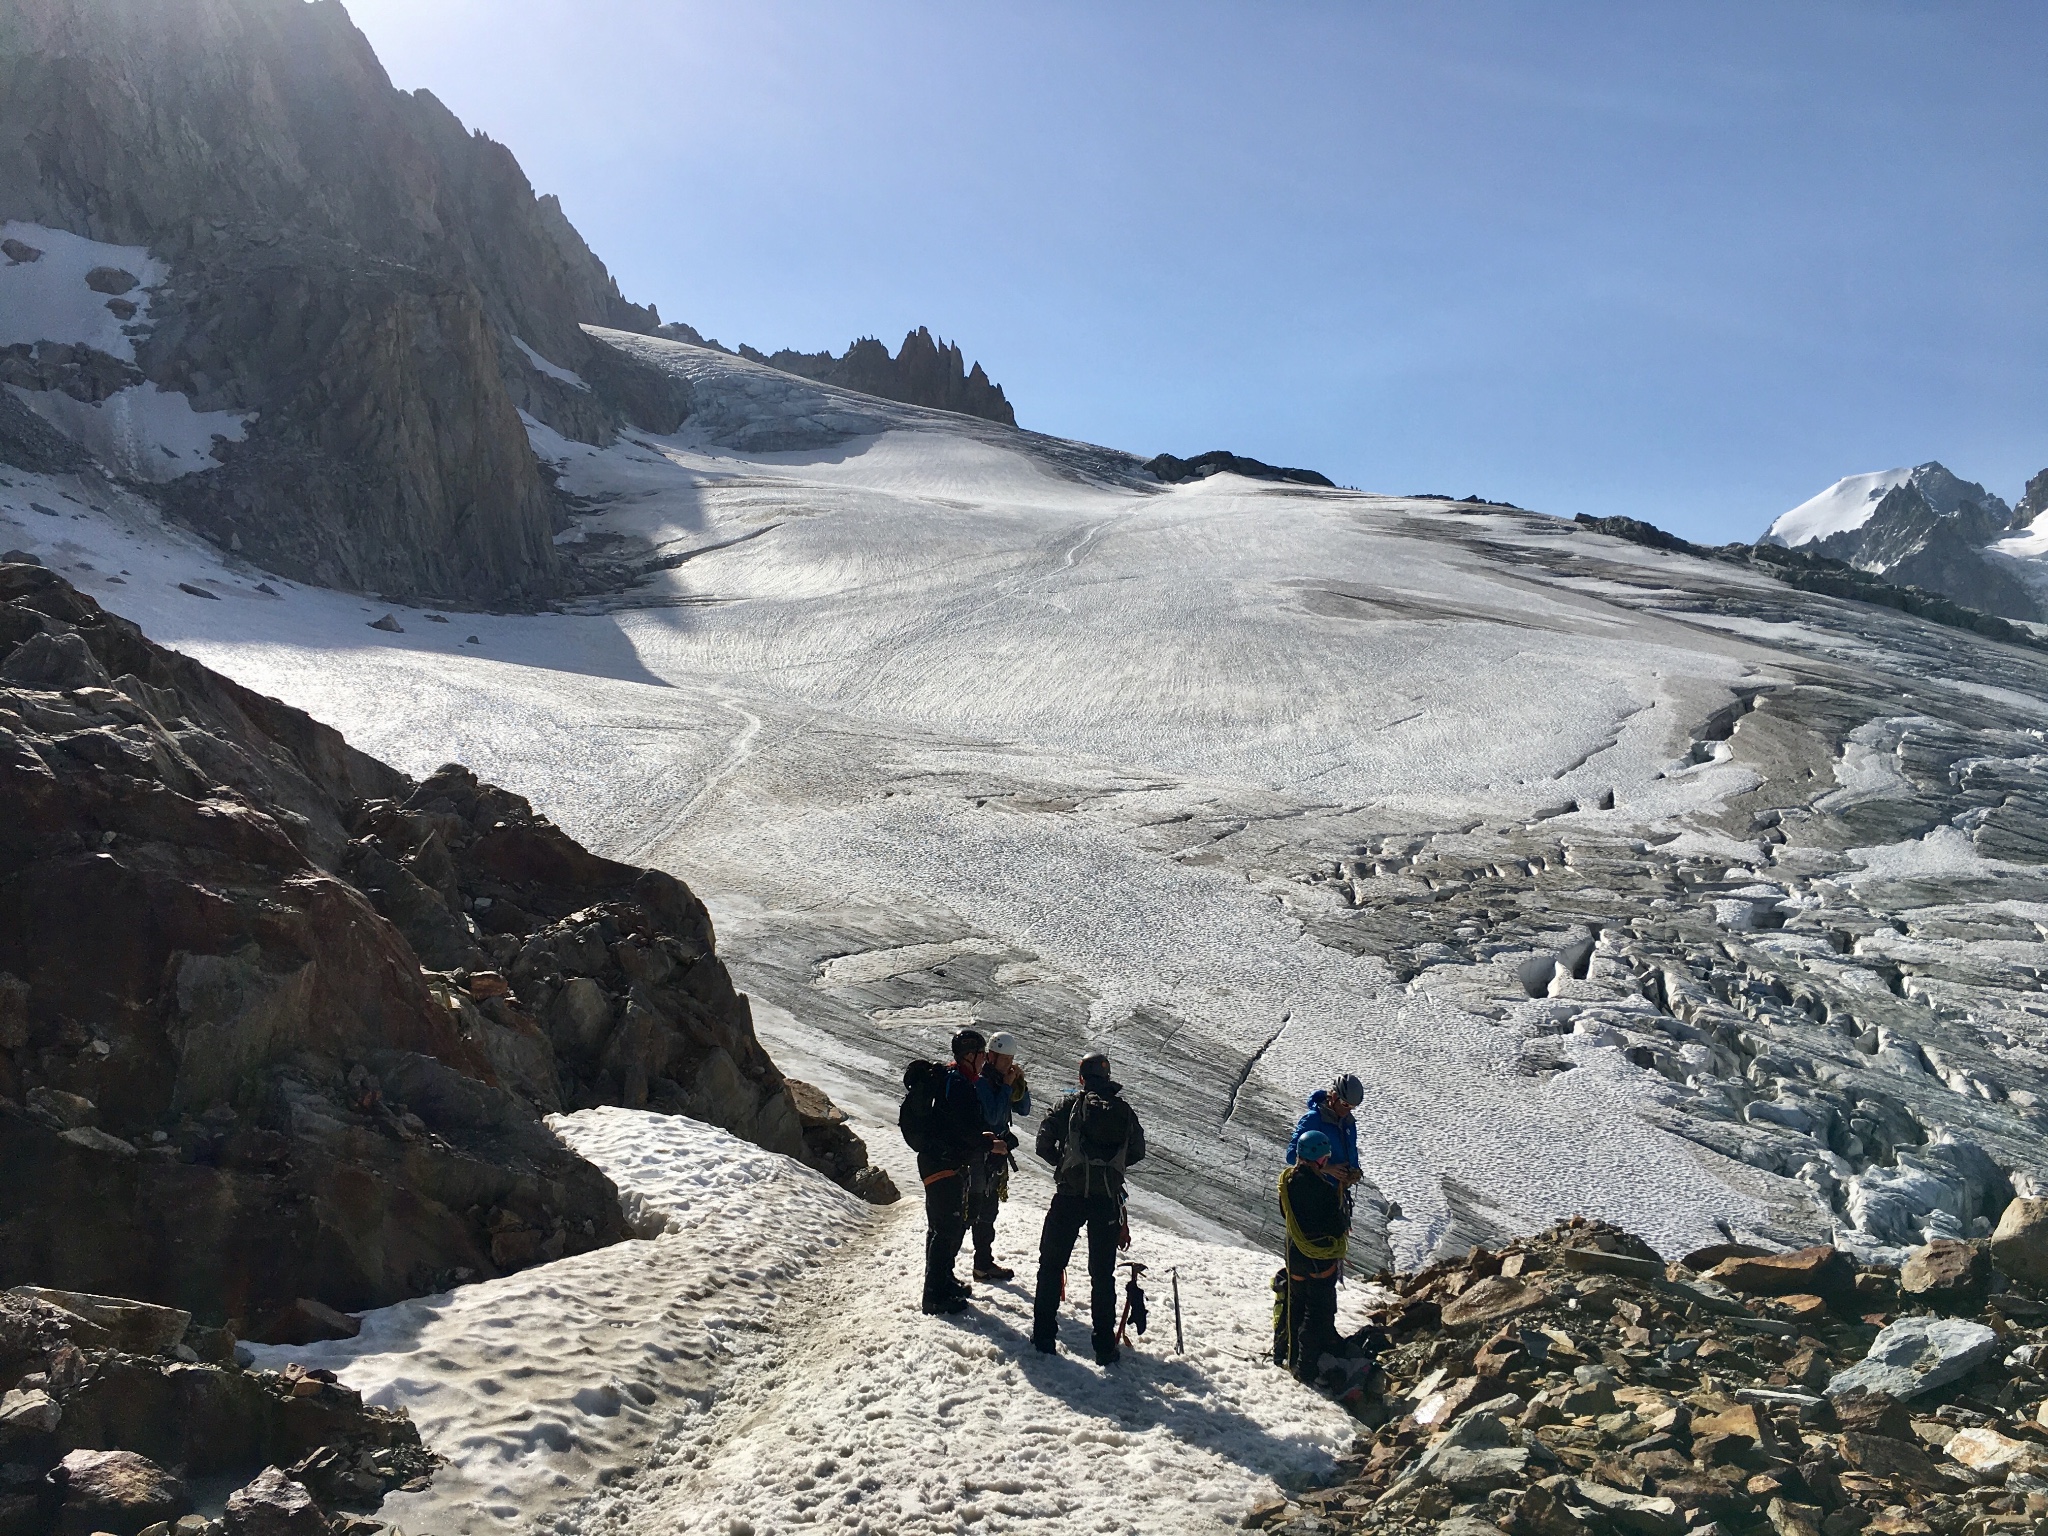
(1573, 1382)
(1173, 471)
(925, 371)
(279, 1024)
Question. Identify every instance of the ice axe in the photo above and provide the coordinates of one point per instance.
(1178, 1347)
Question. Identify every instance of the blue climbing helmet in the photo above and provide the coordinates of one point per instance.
(1313, 1147)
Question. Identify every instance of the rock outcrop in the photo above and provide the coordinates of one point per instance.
(100, 1434)
(279, 1026)
(1573, 1383)
(379, 287)
(924, 371)
(1220, 461)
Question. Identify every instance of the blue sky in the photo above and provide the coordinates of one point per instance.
(1685, 261)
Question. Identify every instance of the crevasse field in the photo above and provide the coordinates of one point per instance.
(922, 704)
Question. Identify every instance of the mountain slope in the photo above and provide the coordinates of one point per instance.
(337, 265)
(1635, 882)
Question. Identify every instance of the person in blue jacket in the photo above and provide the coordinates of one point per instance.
(1331, 1111)
(1003, 1093)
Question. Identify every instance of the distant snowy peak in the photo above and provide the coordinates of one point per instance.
(1842, 508)
(1926, 527)
(1849, 504)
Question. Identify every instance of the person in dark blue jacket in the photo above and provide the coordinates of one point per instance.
(1330, 1110)
(958, 1140)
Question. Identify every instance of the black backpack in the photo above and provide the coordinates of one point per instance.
(924, 1090)
(1098, 1133)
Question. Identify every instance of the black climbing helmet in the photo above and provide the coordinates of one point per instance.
(1349, 1089)
(967, 1042)
(1095, 1066)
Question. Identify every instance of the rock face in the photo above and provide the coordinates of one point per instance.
(1926, 528)
(924, 371)
(381, 288)
(227, 1084)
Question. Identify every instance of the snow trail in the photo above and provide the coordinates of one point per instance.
(763, 1365)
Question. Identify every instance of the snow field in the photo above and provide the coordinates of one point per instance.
(143, 431)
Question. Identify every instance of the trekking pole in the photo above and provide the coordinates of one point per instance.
(1178, 1347)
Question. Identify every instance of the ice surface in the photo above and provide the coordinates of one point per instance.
(910, 699)
(970, 679)
(1842, 508)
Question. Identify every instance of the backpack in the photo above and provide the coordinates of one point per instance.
(1098, 1134)
(924, 1089)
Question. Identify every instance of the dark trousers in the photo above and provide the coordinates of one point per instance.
(945, 1226)
(984, 1198)
(1308, 1314)
(1103, 1216)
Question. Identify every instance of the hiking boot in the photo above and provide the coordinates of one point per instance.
(935, 1305)
(960, 1288)
(1107, 1354)
(1045, 1346)
(992, 1271)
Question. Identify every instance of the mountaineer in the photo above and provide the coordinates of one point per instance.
(1330, 1110)
(941, 1119)
(1003, 1093)
(1316, 1207)
(1090, 1138)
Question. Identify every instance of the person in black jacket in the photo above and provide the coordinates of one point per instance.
(1316, 1207)
(1090, 1138)
(953, 1145)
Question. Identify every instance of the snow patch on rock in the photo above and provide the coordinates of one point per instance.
(1842, 508)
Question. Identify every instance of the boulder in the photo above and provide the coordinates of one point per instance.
(272, 1504)
(1471, 1473)
(1985, 1451)
(1632, 1511)
(307, 1321)
(30, 1412)
(1916, 1355)
(1492, 1300)
(1885, 1456)
(1818, 1271)
(2019, 1245)
(116, 1491)
(1946, 1273)
(134, 1327)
